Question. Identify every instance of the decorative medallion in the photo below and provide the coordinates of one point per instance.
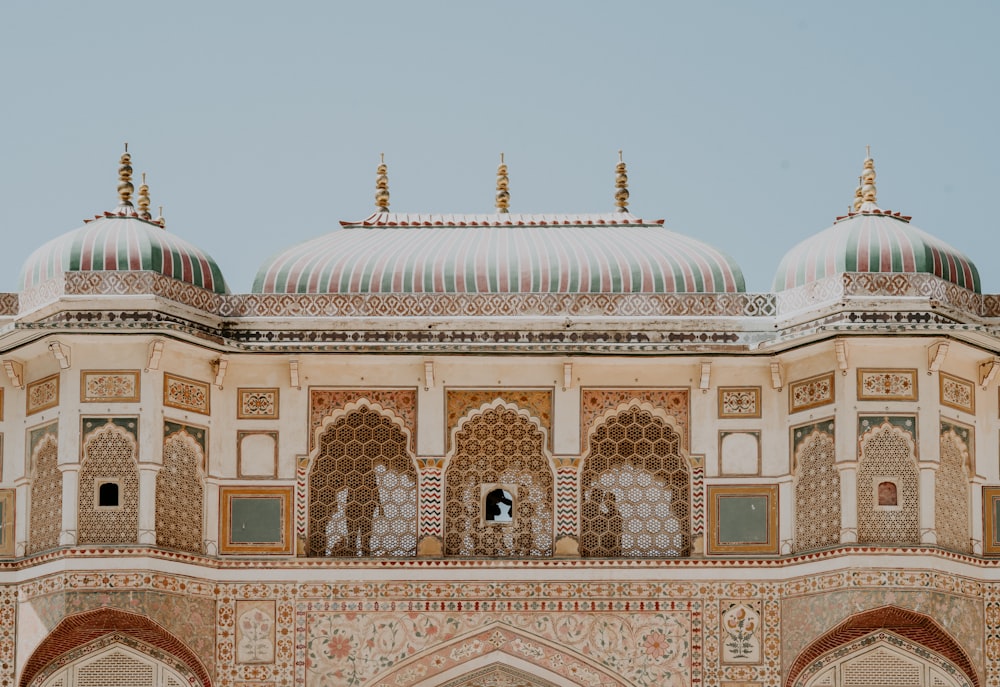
(887, 385)
(186, 394)
(42, 395)
(258, 404)
(811, 393)
(113, 386)
(739, 401)
(957, 393)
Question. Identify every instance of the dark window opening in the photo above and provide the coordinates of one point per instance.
(107, 495)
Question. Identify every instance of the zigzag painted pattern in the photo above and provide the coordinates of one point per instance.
(301, 475)
(566, 502)
(697, 500)
(431, 500)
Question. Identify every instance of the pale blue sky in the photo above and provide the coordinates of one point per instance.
(260, 123)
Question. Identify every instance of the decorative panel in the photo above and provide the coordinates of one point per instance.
(45, 503)
(109, 386)
(739, 452)
(363, 489)
(42, 395)
(538, 403)
(817, 486)
(186, 394)
(991, 521)
(499, 446)
(257, 453)
(743, 519)
(741, 631)
(739, 401)
(951, 487)
(811, 393)
(257, 404)
(256, 520)
(324, 401)
(596, 402)
(180, 490)
(635, 489)
(887, 385)
(957, 393)
(110, 455)
(7, 522)
(255, 631)
(888, 481)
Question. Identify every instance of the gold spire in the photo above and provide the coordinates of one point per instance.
(503, 187)
(621, 183)
(159, 219)
(858, 198)
(868, 178)
(125, 186)
(381, 185)
(144, 199)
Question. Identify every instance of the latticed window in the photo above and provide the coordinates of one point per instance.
(498, 489)
(951, 494)
(888, 488)
(109, 457)
(46, 497)
(180, 495)
(636, 487)
(363, 489)
(817, 493)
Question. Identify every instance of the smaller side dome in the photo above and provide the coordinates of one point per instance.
(123, 240)
(870, 239)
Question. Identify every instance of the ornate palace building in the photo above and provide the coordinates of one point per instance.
(499, 450)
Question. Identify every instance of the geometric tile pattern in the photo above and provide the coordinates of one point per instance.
(888, 515)
(595, 402)
(432, 502)
(951, 490)
(817, 487)
(109, 452)
(324, 401)
(180, 494)
(45, 507)
(459, 402)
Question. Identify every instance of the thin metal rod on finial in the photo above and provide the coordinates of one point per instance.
(620, 158)
(126, 146)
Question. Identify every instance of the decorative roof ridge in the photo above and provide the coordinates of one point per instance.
(875, 212)
(396, 219)
(126, 213)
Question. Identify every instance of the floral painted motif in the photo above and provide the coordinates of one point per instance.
(958, 393)
(899, 385)
(101, 385)
(740, 632)
(810, 393)
(42, 395)
(258, 403)
(185, 394)
(739, 401)
(255, 632)
(351, 649)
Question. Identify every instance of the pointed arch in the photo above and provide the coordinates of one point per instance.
(45, 502)
(110, 457)
(635, 486)
(888, 487)
(499, 448)
(917, 632)
(105, 626)
(499, 647)
(180, 494)
(362, 485)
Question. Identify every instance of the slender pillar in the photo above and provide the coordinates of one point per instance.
(147, 502)
(211, 529)
(928, 529)
(70, 503)
(848, 501)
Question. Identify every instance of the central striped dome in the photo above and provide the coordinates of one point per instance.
(500, 253)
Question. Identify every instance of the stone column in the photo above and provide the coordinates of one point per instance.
(928, 530)
(211, 530)
(70, 503)
(23, 489)
(147, 503)
(975, 507)
(786, 504)
(848, 501)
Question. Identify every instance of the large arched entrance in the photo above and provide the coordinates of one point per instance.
(112, 648)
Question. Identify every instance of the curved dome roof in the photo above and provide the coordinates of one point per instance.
(873, 240)
(500, 253)
(122, 242)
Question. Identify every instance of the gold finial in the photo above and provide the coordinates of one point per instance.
(858, 197)
(144, 199)
(381, 185)
(868, 177)
(621, 184)
(125, 186)
(159, 218)
(503, 187)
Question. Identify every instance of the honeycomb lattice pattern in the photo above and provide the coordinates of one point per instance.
(887, 451)
(180, 495)
(46, 497)
(636, 488)
(363, 490)
(817, 494)
(115, 669)
(882, 668)
(500, 446)
(109, 452)
(951, 495)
